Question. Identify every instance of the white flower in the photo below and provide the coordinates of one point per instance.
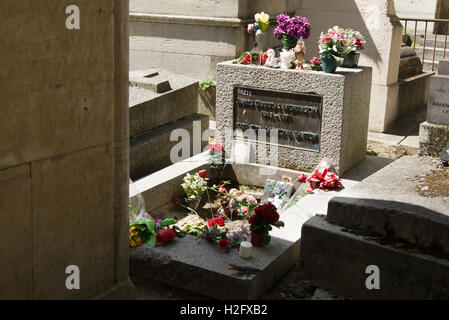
(262, 17)
(259, 32)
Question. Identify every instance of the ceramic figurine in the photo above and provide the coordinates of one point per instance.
(300, 54)
(287, 59)
(271, 60)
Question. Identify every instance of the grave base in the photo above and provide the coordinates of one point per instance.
(199, 266)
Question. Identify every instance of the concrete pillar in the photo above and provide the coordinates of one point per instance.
(377, 21)
(64, 150)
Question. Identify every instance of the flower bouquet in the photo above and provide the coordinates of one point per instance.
(334, 46)
(152, 232)
(356, 42)
(259, 27)
(194, 186)
(261, 221)
(289, 30)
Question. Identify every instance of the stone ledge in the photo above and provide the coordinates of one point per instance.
(196, 265)
(337, 260)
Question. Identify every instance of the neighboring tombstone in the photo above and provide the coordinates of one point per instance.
(438, 105)
(443, 67)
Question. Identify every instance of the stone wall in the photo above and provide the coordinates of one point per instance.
(191, 37)
(64, 151)
(378, 22)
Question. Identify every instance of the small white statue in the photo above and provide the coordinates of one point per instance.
(271, 60)
(287, 58)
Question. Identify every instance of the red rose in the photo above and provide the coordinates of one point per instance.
(223, 244)
(203, 174)
(176, 200)
(359, 43)
(268, 212)
(166, 235)
(214, 221)
(302, 178)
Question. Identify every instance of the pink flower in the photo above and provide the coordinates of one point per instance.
(316, 61)
(215, 147)
(331, 180)
(359, 43)
(244, 210)
(302, 178)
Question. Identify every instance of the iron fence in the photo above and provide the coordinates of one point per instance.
(439, 37)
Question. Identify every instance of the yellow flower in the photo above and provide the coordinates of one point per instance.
(132, 228)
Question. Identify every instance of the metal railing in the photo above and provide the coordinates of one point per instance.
(418, 23)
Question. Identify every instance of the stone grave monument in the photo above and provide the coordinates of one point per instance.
(434, 133)
(316, 115)
(159, 103)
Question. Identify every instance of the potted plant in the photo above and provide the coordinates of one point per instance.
(356, 42)
(334, 46)
(290, 30)
(264, 217)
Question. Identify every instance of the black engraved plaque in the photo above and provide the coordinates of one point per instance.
(296, 116)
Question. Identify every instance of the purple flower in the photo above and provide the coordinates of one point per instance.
(295, 27)
(282, 18)
(278, 32)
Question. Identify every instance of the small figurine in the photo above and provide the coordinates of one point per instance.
(300, 54)
(287, 59)
(271, 60)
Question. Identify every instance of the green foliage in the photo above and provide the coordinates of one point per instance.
(205, 84)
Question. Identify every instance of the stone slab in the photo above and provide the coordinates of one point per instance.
(150, 151)
(411, 145)
(149, 110)
(199, 266)
(397, 182)
(335, 259)
(432, 139)
(344, 126)
(443, 67)
(438, 105)
(389, 219)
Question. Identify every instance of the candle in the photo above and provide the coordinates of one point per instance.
(245, 249)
